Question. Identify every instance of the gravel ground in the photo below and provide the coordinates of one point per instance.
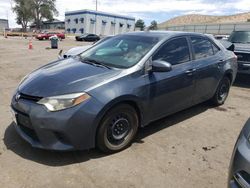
(189, 149)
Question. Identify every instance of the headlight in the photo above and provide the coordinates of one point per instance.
(61, 102)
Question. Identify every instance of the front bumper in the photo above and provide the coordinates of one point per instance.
(70, 129)
(239, 174)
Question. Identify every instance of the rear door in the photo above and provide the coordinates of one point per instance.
(172, 91)
(208, 63)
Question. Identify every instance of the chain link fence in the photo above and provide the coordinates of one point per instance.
(223, 29)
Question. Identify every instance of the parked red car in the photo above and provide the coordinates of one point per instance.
(45, 36)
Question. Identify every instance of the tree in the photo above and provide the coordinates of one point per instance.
(153, 25)
(22, 9)
(43, 9)
(140, 24)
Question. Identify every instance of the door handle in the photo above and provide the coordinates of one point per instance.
(190, 72)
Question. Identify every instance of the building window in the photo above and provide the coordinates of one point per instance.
(92, 21)
(82, 20)
(128, 26)
(121, 24)
(74, 30)
(81, 30)
(104, 22)
(76, 20)
(68, 20)
(68, 30)
(113, 23)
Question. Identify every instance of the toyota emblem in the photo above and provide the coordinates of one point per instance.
(17, 97)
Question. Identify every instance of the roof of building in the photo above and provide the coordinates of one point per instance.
(98, 13)
(54, 21)
(3, 19)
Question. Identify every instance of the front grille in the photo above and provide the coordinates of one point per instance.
(29, 97)
(243, 56)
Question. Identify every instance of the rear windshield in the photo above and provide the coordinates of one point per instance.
(240, 37)
(122, 51)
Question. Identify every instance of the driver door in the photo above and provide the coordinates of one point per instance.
(172, 91)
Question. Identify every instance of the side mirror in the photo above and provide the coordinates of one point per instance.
(161, 66)
(228, 45)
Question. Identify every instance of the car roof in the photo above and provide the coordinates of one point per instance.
(164, 34)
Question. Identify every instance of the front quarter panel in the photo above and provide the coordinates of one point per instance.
(128, 88)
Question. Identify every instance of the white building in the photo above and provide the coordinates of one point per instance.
(100, 23)
(4, 24)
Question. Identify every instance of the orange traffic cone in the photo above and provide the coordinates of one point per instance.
(30, 45)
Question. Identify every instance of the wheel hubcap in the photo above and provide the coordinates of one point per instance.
(118, 130)
(223, 92)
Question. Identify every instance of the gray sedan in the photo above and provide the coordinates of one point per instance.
(101, 97)
(239, 174)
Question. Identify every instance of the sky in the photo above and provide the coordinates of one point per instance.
(148, 10)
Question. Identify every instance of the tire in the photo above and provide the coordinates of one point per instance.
(222, 92)
(117, 129)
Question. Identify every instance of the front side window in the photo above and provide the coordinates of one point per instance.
(174, 52)
(202, 47)
(122, 51)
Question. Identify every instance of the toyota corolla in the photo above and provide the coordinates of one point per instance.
(100, 97)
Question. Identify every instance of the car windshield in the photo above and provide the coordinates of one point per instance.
(240, 37)
(122, 51)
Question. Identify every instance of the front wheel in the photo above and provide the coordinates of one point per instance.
(117, 129)
(222, 91)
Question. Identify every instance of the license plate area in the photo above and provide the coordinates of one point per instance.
(23, 120)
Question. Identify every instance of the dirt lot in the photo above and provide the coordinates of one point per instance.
(189, 149)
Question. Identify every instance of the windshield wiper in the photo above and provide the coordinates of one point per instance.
(95, 62)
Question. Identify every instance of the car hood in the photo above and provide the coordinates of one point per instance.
(63, 77)
(242, 47)
(77, 50)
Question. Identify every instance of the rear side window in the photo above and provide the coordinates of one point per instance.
(202, 47)
(175, 52)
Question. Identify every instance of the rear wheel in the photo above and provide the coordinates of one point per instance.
(222, 91)
(117, 129)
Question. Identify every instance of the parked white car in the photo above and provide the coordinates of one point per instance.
(79, 49)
